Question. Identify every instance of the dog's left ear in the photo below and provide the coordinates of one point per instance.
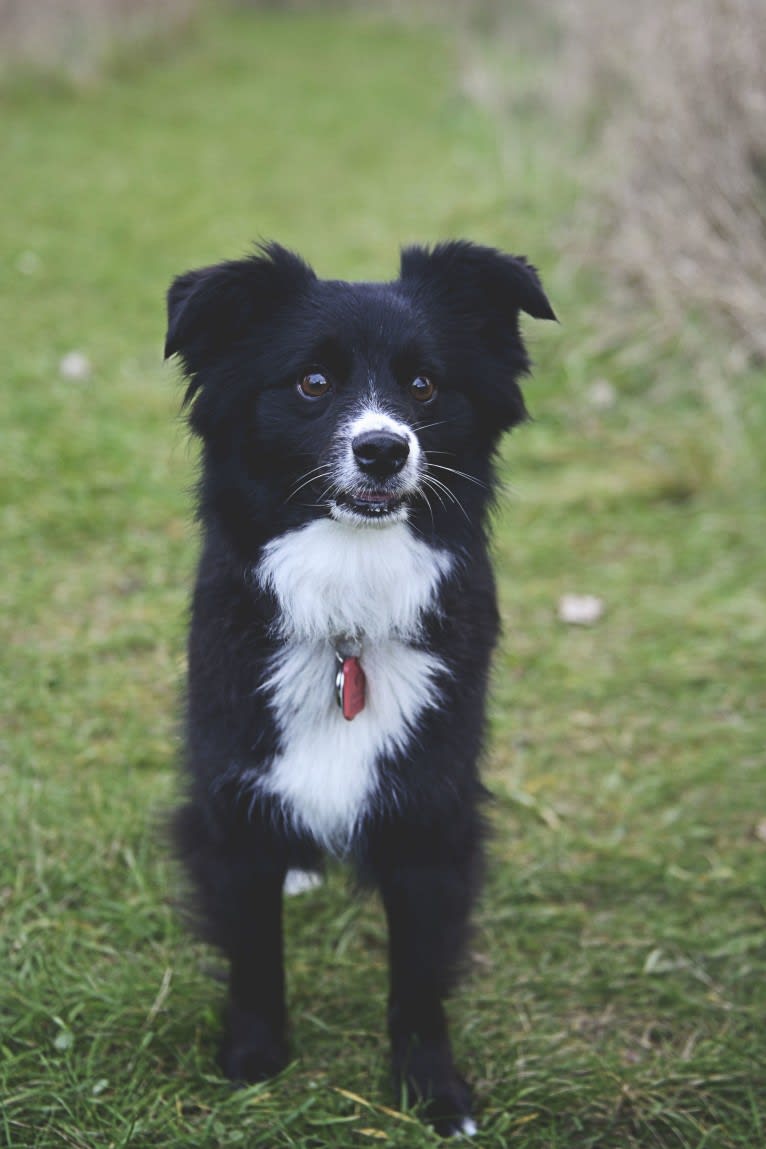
(481, 282)
(479, 293)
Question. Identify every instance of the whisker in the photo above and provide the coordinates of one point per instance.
(307, 478)
(437, 484)
(420, 532)
(426, 483)
(333, 488)
(461, 474)
(427, 426)
(441, 488)
(430, 508)
(313, 471)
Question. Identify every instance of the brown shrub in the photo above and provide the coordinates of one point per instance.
(73, 36)
(680, 90)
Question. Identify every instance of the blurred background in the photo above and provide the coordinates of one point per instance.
(616, 990)
(675, 94)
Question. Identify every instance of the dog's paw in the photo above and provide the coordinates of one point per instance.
(467, 1128)
(301, 881)
(251, 1051)
(449, 1108)
(430, 1078)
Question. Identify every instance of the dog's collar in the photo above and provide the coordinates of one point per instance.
(350, 680)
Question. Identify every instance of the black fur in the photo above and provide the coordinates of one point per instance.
(245, 332)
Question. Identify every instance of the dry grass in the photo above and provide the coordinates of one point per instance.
(668, 103)
(73, 37)
(680, 92)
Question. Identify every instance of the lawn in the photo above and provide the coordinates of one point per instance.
(618, 982)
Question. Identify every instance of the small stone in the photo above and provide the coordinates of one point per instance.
(601, 395)
(580, 609)
(75, 366)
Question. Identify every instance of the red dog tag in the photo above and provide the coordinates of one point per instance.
(352, 687)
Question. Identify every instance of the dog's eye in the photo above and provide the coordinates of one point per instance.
(422, 389)
(313, 385)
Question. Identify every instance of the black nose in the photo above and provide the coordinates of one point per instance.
(380, 453)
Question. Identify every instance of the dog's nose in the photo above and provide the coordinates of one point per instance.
(380, 453)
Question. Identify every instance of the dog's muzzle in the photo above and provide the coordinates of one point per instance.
(377, 470)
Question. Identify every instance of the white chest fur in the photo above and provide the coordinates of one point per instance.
(333, 579)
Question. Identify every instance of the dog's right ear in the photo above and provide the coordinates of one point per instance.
(212, 308)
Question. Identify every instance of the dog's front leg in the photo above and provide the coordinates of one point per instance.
(254, 1043)
(238, 869)
(427, 907)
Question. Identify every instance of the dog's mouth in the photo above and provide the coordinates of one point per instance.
(375, 504)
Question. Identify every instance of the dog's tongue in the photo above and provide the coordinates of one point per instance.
(373, 497)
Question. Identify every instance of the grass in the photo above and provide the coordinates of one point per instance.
(616, 994)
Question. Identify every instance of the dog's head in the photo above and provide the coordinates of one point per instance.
(368, 402)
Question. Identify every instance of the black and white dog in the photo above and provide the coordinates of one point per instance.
(344, 614)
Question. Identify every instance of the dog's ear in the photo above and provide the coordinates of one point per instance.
(213, 307)
(479, 293)
(482, 282)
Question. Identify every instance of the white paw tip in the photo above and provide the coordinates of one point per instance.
(301, 881)
(468, 1128)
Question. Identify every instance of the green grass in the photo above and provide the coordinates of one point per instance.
(616, 996)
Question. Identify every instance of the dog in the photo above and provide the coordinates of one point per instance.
(344, 616)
